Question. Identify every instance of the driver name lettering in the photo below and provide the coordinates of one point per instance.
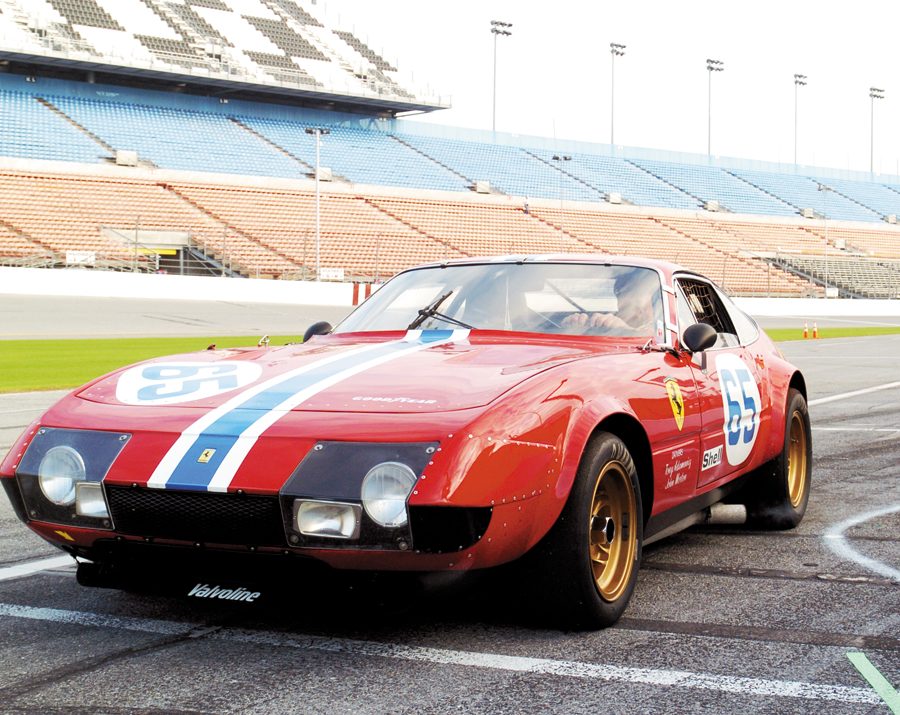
(676, 473)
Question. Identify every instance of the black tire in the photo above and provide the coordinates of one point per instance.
(778, 494)
(588, 562)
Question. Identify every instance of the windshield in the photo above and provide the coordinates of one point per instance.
(561, 298)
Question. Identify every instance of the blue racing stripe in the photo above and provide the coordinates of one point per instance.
(433, 336)
(190, 474)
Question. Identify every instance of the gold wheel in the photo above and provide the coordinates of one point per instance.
(797, 467)
(613, 537)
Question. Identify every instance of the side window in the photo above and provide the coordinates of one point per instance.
(699, 302)
(747, 329)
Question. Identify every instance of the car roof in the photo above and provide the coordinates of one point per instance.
(665, 267)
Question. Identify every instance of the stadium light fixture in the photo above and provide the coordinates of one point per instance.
(874, 93)
(498, 27)
(799, 81)
(711, 66)
(318, 132)
(615, 50)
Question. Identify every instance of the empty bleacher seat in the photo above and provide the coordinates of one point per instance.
(178, 138)
(710, 183)
(33, 131)
(803, 193)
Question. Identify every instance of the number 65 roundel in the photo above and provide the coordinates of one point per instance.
(741, 403)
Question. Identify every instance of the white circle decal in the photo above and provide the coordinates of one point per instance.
(741, 402)
(170, 383)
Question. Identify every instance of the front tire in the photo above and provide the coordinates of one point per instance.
(778, 496)
(591, 556)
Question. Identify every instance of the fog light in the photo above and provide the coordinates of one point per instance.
(329, 519)
(89, 500)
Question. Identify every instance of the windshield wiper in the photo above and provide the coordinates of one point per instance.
(431, 311)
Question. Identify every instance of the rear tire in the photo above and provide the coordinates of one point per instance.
(590, 558)
(778, 495)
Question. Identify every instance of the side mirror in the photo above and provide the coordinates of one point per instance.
(323, 327)
(699, 337)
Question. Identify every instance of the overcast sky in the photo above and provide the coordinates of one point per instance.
(553, 76)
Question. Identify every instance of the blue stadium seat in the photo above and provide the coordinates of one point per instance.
(179, 139)
(877, 197)
(612, 175)
(33, 131)
(803, 193)
(360, 156)
(710, 183)
(509, 169)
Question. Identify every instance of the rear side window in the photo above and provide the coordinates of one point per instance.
(746, 327)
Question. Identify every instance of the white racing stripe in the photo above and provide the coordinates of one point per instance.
(836, 541)
(248, 438)
(760, 687)
(845, 395)
(30, 567)
(186, 440)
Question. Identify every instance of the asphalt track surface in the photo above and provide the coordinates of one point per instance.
(724, 620)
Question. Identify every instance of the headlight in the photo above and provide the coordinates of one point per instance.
(384, 492)
(59, 471)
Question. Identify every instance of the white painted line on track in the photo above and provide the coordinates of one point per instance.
(854, 393)
(30, 567)
(518, 664)
(857, 429)
(836, 541)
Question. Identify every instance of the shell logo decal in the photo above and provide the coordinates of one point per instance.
(676, 401)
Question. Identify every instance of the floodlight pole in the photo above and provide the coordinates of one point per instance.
(318, 132)
(799, 81)
(711, 66)
(825, 188)
(874, 93)
(614, 50)
(497, 28)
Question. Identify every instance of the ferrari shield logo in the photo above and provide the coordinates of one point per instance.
(675, 399)
(207, 454)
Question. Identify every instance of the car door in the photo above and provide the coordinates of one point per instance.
(729, 385)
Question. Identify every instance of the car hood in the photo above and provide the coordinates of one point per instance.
(416, 372)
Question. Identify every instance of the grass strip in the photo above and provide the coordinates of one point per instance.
(783, 334)
(27, 365)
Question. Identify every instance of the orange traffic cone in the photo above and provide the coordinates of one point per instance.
(815, 331)
(805, 331)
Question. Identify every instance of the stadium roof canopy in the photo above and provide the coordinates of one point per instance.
(225, 87)
(282, 52)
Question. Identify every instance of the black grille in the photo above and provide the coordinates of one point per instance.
(443, 529)
(197, 516)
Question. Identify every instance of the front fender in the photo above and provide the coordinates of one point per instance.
(525, 448)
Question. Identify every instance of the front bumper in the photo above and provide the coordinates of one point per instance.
(508, 533)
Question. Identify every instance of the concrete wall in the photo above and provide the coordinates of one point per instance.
(100, 284)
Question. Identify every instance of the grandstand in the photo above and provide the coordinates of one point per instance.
(160, 134)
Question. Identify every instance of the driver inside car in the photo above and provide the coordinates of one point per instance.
(638, 309)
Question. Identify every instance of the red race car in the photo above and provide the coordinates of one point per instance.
(561, 409)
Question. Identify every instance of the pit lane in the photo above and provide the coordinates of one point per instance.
(723, 620)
